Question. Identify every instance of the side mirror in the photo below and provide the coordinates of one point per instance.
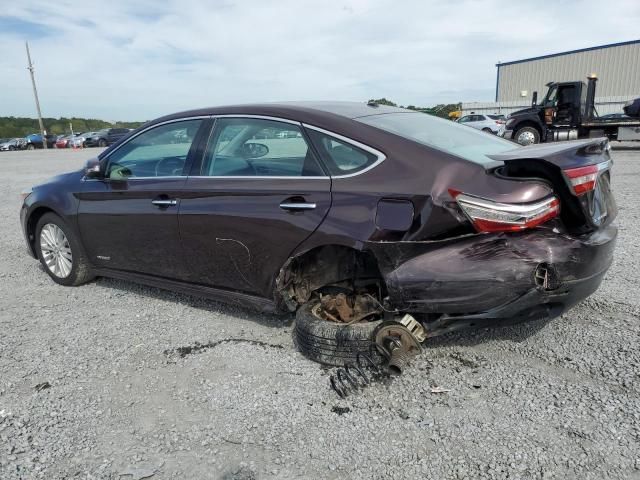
(92, 168)
(254, 150)
(534, 100)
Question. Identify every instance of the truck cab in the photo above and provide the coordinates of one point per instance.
(567, 112)
(562, 110)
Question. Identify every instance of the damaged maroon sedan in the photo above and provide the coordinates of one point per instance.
(350, 214)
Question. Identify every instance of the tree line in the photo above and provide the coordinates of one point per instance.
(441, 110)
(11, 127)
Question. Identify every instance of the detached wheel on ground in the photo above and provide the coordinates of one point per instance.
(332, 343)
(527, 136)
(60, 252)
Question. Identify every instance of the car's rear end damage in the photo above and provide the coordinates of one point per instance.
(528, 238)
(528, 260)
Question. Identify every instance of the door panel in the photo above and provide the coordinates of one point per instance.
(235, 234)
(122, 229)
(257, 194)
(129, 219)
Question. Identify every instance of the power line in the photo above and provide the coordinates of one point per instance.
(35, 94)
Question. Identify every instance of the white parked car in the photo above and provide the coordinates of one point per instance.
(487, 123)
(79, 140)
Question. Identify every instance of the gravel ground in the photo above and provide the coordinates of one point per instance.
(91, 385)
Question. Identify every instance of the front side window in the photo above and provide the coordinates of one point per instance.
(252, 147)
(468, 143)
(341, 158)
(159, 152)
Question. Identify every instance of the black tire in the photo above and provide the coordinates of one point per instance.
(487, 130)
(31, 146)
(102, 142)
(80, 269)
(332, 343)
(12, 148)
(529, 132)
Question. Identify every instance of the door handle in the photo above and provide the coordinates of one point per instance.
(165, 202)
(295, 206)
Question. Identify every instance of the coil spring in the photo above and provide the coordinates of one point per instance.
(355, 376)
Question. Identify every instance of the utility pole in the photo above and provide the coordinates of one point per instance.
(35, 94)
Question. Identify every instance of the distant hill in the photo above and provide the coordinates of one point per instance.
(19, 126)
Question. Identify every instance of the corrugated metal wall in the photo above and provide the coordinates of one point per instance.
(617, 67)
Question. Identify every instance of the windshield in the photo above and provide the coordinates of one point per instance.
(445, 135)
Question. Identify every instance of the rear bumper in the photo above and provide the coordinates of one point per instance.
(495, 279)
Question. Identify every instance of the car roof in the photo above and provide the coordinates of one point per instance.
(300, 111)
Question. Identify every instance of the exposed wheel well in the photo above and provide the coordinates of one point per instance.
(327, 266)
(32, 221)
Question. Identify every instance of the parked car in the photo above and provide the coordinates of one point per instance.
(34, 141)
(13, 144)
(106, 137)
(487, 123)
(64, 141)
(614, 116)
(371, 209)
(79, 141)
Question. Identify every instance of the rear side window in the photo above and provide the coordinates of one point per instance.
(468, 143)
(340, 157)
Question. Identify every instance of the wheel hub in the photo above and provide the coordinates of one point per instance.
(526, 138)
(56, 250)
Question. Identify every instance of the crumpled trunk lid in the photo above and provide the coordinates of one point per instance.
(556, 163)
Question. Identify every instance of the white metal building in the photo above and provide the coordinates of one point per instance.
(617, 66)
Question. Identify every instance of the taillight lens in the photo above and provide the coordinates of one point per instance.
(489, 216)
(583, 179)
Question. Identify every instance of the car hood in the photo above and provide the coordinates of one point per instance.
(62, 178)
(525, 111)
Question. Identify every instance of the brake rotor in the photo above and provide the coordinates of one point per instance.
(390, 336)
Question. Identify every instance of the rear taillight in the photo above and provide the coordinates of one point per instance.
(500, 122)
(489, 216)
(583, 179)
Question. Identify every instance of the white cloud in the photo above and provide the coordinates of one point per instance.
(137, 60)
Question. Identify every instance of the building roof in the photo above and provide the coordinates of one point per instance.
(610, 45)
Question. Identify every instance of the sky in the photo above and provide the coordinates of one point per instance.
(140, 59)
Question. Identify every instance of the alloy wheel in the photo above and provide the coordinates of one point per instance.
(56, 250)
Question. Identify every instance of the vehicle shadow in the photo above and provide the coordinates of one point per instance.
(209, 306)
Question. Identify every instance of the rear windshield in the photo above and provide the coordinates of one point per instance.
(445, 135)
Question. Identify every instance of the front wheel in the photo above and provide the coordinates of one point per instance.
(60, 252)
(527, 136)
(102, 143)
(31, 146)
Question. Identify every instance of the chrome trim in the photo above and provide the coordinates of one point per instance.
(297, 206)
(175, 120)
(263, 177)
(381, 156)
(165, 202)
(170, 177)
(604, 165)
(260, 117)
(522, 209)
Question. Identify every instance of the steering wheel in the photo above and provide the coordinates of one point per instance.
(171, 165)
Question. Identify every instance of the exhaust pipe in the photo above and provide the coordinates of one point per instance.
(590, 107)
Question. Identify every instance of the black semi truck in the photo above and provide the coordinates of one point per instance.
(568, 112)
